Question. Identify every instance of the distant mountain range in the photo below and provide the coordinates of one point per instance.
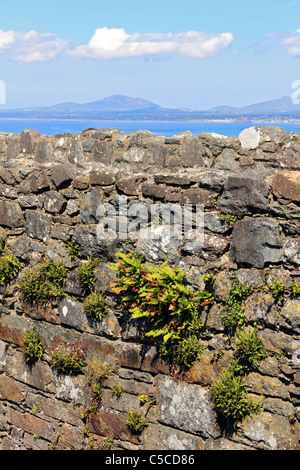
(119, 107)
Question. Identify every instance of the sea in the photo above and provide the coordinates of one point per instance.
(164, 128)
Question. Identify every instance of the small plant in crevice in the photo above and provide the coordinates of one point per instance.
(68, 358)
(233, 313)
(96, 372)
(144, 398)
(3, 240)
(231, 399)
(135, 422)
(295, 289)
(249, 351)
(171, 310)
(44, 282)
(117, 390)
(228, 393)
(72, 248)
(86, 275)
(9, 268)
(35, 410)
(94, 305)
(32, 347)
(277, 290)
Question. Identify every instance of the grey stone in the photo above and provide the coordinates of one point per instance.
(252, 137)
(213, 223)
(159, 243)
(214, 139)
(75, 152)
(187, 407)
(244, 194)
(13, 148)
(102, 177)
(105, 133)
(43, 152)
(54, 202)
(11, 215)
(291, 251)
(38, 225)
(28, 140)
(71, 313)
(35, 183)
(86, 237)
(103, 152)
(89, 206)
(156, 153)
(290, 315)
(62, 176)
(192, 153)
(158, 437)
(227, 161)
(268, 431)
(133, 155)
(256, 242)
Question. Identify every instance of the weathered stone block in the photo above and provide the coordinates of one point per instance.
(158, 437)
(291, 250)
(244, 194)
(156, 152)
(160, 243)
(11, 215)
(54, 202)
(43, 152)
(62, 176)
(13, 148)
(103, 152)
(256, 242)
(269, 432)
(89, 207)
(35, 183)
(227, 161)
(38, 225)
(90, 244)
(133, 155)
(28, 140)
(192, 153)
(102, 177)
(196, 196)
(187, 407)
(75, 153)
(156, 191)
(71, 313)
(286, 184)
(290, 315)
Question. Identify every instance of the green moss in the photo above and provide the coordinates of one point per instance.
(32, 347)
(9, 268)
(94, 305)
(231, 399)
(44, 283)
(136, 422)
(86, 275)
(249, 351)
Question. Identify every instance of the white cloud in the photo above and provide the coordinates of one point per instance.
(293, 44)
(115, 43)
(111, 44)
(32, 46)
(6, 39)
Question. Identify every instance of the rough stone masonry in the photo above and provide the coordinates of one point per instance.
(50, 190)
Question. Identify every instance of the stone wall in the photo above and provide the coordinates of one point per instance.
(50, 193)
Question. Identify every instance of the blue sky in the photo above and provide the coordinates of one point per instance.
(176, 53)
